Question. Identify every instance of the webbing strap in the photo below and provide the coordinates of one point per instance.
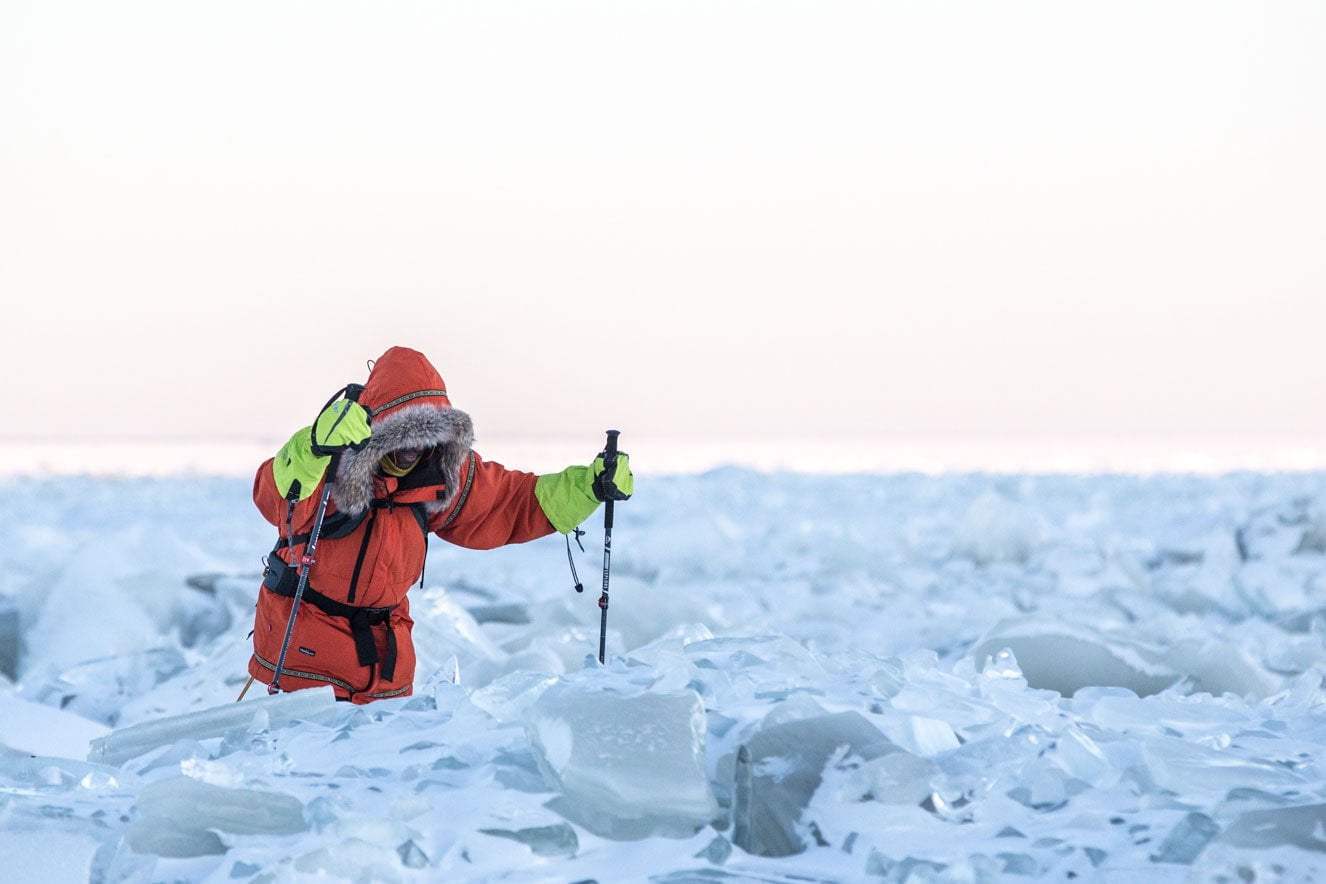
(334, 527)
(464, 494)
(406, 398)
(359, 559)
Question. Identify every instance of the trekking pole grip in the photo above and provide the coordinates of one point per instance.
(609, 460)
(352, 392)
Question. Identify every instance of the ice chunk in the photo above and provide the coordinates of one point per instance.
(922, 736)
(163, 836)
(443, 629)
(121, 745)
(355, 860)
(1080, 757)
(1186, 840)
(1043, 790)
(47, 773)
(509, 613)
(1302, 826)
(629, 762)
(997, 529)
(717, 851)
(1293, 528)
(114, 592)
(778, 770)
(895, 778)
(204, 806)
(506, 698)
(1018, 864)
(1218, 667)
(647, 612)
(1065, 657)
(411, 856)
(44, 730)
(101, 688)
(10, 636)
(556, 840)
(1190, 769)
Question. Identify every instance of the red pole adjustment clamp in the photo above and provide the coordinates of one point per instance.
(306, 559)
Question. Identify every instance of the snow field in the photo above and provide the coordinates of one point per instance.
(963, 678)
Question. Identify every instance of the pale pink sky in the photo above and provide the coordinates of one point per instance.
(690, 218)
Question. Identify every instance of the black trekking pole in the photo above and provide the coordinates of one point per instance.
(609, 462)
(306, 561)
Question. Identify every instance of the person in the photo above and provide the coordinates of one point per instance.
(407, 469)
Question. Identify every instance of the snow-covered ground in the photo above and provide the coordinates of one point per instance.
(840, 678)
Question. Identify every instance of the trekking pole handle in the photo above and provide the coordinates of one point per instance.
(352, 393)
(609, 459)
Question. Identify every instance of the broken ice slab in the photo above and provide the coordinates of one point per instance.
(895, 778)
(1116, 709)
(1190, 769)
(22, 768)
(121, 745)
(996, 528)
(1303, 826)
(162, 836)
(511, 613)
(45, 730)
(1219, 667)
(506, 698)
(1186, 840)
(717, 851)
(444, 629)
(180, 817)
(1081, 757)
(556, 840)
(1288, 529)
(1066, 657)
(99, 689)
(239, 811)
(778, 770)
(922, 736)
(10, 636)
(411, 856)
(629, 762)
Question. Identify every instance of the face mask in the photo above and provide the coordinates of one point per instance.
(390, 467)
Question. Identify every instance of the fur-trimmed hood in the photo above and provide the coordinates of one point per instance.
(409, 408)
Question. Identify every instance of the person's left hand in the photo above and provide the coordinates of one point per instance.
(571, 496)
(613, 482)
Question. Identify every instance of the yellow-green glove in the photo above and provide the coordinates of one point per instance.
(571, 496)
(297, 470)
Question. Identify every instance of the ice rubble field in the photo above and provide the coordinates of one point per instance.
(966, 678)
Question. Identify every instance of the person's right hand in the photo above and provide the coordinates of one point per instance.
(300, 464)
(342, 426)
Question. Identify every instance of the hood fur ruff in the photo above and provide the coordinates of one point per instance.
(409, 426)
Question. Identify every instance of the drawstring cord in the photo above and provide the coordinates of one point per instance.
(580, 587)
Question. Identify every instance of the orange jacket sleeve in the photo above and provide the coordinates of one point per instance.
(494, 506)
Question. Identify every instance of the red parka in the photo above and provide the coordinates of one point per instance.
(353, 628)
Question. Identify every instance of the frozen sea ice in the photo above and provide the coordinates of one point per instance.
(629, 763)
